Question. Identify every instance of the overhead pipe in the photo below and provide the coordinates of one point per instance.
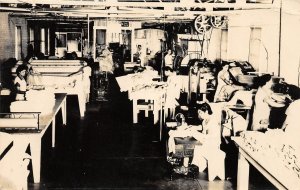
(280, 26)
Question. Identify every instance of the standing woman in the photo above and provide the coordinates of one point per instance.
(261, 111)
(107, 64)
(223, 79)
(169, 59)
(20, 83)
(172, 92)
(193, 83)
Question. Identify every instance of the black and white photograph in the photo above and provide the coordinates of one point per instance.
(149, 94)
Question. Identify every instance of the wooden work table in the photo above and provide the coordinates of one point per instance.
(33, 138)
(280, 176)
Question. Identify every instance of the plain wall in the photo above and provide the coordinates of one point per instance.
(239, 32)
(290, 42)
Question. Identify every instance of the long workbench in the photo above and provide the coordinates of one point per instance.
(34, 138)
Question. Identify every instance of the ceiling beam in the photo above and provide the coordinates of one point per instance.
(166, 5)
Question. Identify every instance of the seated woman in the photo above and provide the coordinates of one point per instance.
(292, 120)
(20, 83)
(209, 133)
(210, 136)
(262, 101)
(225, 87)
(33, 77)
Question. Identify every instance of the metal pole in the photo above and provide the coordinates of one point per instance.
(280, 25)
(88, 40)
(162, 51)
(162, 78)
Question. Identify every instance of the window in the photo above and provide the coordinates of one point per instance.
(43, 40)
(254, 47)
(18, 43)
(61, 40)
(224, 43)
(31, 36)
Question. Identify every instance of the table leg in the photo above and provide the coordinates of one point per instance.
(35, 148)
(64, 112)
(204, 97)
(81, 101)
(147, 110)
(243, 173)
(155, 116)
(248, 116)
(155, 110)
(160, 124)
(53, 132)
(135, 111)
(15, 163)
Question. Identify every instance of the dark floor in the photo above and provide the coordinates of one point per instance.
(104, 150)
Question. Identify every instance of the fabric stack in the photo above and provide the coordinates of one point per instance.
(130, 81)
(152, 87)
(63, 82)
(37, 101)
(254, 140)
(290, 158)
(276, 145)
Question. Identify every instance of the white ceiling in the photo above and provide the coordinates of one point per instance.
(164, 10)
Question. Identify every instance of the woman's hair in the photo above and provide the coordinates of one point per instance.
(27, 64)
(262, 80)
(138, 69)
(26, 60)
(74, 55)
(193, 66)
(167, 68)
(21, 68)
(293, 91)
(205, 107)
(196, 63)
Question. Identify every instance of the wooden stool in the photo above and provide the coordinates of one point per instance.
(153, 103)
(147, 105)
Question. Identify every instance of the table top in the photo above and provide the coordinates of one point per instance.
(269, 166)
(239, 107)
(46, 120)
(4, 92)
(147, 94)
(171, 124)
(5, 142)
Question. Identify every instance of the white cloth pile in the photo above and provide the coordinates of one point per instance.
(37, 101)
(274, 144)
(131, 81)
(63, 82)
